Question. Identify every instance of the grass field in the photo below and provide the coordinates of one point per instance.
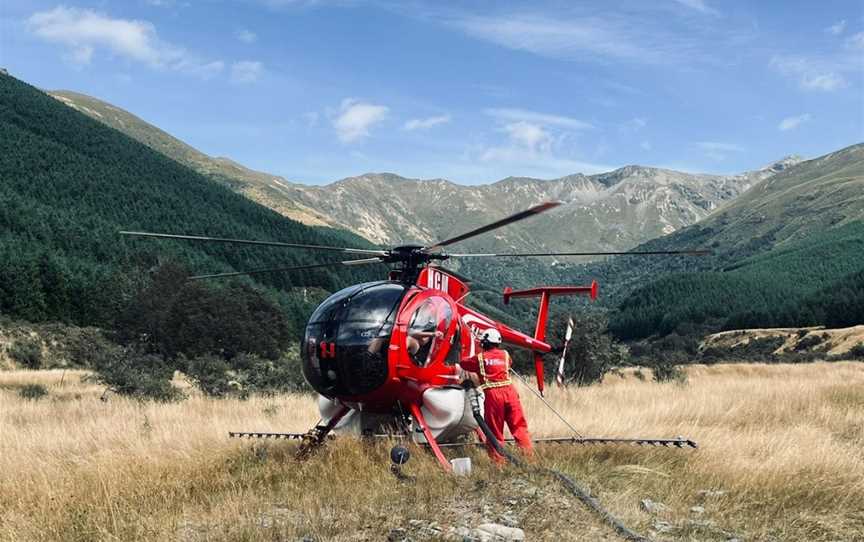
(784, 445)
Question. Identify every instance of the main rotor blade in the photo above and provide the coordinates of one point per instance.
(537, 209)
(260, 243)
(365, 261)
(540, 254)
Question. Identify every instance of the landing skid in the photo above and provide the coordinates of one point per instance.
(676, 442)
(315, 437)
(430, 438)
(275, 436)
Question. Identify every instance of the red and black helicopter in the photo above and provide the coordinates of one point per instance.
(385, 354)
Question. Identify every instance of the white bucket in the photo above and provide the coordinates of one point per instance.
(461, 466)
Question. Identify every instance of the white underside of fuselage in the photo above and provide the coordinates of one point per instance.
(447, 412)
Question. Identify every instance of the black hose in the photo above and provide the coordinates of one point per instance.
(565, 480)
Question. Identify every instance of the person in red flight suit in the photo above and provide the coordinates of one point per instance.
(502, 405)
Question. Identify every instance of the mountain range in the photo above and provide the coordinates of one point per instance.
(787, 240)
(605, 212)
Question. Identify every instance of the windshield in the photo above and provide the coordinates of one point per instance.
(345, 345)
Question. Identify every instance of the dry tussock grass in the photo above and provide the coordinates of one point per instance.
(784, 442)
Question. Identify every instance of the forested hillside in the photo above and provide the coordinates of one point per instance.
(68, 184)
(816, 281)
(789, 252)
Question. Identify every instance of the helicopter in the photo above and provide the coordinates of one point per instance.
(384, 355)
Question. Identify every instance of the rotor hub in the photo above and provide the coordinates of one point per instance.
(412, 258)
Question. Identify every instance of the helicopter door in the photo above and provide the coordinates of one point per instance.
(430, 327)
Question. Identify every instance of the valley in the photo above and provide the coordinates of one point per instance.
(313, 271)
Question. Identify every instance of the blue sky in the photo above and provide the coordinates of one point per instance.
(473, 92)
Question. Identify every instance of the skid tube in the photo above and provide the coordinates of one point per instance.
(666, 442)
(261, 435)
(678, 442)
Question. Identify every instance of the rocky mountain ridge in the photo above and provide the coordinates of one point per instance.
(608, 211)
(616, 210)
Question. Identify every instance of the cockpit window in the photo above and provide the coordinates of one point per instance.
(346, 343)
(329, 310)
(369, 320)
(427, 330)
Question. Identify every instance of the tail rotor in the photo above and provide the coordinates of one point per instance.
(559, 375)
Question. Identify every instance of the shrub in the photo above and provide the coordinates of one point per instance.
(32, 392)
(665, 370)
(27, 352)
(761, 349)
(757, 349)
(175, 317)
(247, 374)
(211, 374)
(133, 373)
(857, 351)
(809, 342)
(87, 346)
(680, 349)
(266, 376)
(592, 351)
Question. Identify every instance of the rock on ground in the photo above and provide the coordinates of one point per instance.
(495, 532)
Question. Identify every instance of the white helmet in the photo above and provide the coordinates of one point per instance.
(491, 336)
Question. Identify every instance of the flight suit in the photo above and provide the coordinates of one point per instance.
(502, 403)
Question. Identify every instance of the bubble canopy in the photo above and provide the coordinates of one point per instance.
(344, 350)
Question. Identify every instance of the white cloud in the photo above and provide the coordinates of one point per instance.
(423, 124)
(517, 115)
(246, 36)
(529, 136)
(84, 31)
(646, 145)
(823, 81)
(355, 118)
(856, 41)
(246, 71)
(790, 123)
(717, 146)
(523, 161)
(587, 38)
(811, 74)
(699, 5)
(533, 139)
(514, 160)
(204, 70)
(633, 125)
(718, 150)
(837, 28)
